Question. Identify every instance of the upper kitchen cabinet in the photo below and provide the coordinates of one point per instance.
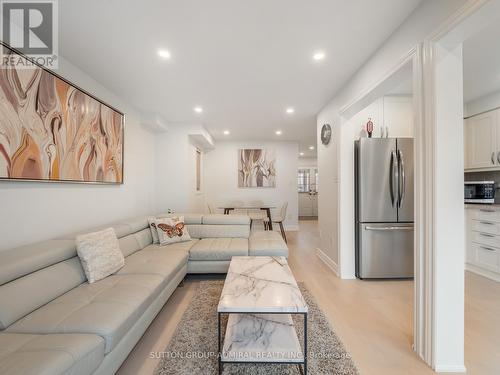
(398, 115)
(482, 141)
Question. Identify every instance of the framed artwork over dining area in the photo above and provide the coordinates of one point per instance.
(256, 168)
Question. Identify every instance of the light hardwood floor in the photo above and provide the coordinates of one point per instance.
(372, 318)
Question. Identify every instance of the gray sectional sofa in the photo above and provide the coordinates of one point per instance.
(52, 321)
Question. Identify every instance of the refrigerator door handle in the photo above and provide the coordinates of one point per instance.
(402, 179)
(390, 228)
(391, 177)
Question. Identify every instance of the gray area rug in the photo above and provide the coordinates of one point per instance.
(193, 348)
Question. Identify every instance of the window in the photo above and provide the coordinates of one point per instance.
(307, 180)
(304, 180)
(198, 170)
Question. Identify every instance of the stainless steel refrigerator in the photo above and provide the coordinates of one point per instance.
(384, 208)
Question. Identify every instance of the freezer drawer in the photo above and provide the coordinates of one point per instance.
(385, 250)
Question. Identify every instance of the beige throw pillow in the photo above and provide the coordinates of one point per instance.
(100, 254)
(152, 227)
(172, 230)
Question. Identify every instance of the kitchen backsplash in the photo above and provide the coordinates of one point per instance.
(486, 176)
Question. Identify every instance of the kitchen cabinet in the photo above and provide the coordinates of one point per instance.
(482, 141)
(314, 202)
(483, 241)
(308, 204)
(398, 116)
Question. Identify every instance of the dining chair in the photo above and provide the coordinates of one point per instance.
(279, 219)
(256, 214)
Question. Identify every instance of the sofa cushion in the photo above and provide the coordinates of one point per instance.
(219, 219)
(165, 261)
(20, 261)
(50, 354)
(219, 231)
(188, 218)
(218, 248)
(178, 246)
(100, 254)
(152, 227)
(135, 242)
(108, 308)
(26, 294)
(122, 228)
(267, 243)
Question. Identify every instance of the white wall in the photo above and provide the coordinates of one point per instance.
(33, 211)
(176, 170)
(221, 177)
(336, 175)
(308, 162)
(482, 104)
(449, 254)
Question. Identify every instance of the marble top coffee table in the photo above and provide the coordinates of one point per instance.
(260, 294)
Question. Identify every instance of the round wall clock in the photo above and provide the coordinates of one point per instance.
(326, 134)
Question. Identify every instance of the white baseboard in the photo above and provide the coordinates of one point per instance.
(328, 261)
(482, 272)
(450, 368)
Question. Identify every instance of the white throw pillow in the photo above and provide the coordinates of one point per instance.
(152, 227)
(100, 254)
(172, 230)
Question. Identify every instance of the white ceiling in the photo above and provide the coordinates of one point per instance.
(244, 62)
(482, 63)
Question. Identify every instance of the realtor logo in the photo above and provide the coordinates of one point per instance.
(31, 28)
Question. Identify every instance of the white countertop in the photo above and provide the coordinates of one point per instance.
(494, 206)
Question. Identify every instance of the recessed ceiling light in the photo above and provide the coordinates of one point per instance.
(319, 55)
(164, 54)
(301, 153)
(279, 132)
(198, 109)
(226, 132)
(290, 110)
(311, 147)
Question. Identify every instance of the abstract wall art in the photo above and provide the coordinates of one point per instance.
(256, 168)
(50, 130)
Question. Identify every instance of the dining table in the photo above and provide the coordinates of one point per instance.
(268, 209)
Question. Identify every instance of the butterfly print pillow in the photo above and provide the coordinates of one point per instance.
(171, 230)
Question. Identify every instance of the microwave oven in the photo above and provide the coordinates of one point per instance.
(479, 192)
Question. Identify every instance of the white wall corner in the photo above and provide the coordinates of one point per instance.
(328, 261)
(154, 122)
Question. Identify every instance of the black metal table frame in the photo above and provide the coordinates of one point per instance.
(267, 209)
(304, 362)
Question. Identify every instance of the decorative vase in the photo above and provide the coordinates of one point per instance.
(369, 127)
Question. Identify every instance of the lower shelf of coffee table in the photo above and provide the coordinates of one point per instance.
(261, 338)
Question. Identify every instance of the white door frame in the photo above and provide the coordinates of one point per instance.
(411, 61)
(423, 62)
